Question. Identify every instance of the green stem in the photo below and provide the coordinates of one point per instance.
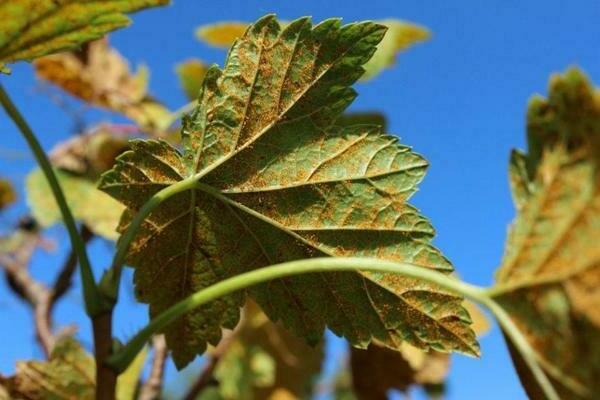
(91, 296)
(123, 358)
(120, 360)
(110, 284)
(522, 345)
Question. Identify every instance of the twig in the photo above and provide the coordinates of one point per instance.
(152, 388)
(35, 293)
(40, 297)
(65, 278)
(205, 378)
(94, 303)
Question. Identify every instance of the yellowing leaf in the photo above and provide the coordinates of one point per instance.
(551, 266)
(128, 381)
(7, 194)
(221, 34)
(191, 75)
(278, 182)
(267, 362)
(99, 75)
(481, 325)
(89, 154)
(34, 28)
(69, 374)
(376, 370)
(400, 36)
(88, 204)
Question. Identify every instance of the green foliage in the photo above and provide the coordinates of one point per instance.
(376, 370)
(89, 205)
(278, 182)
(552, 258)
(34, 28)
(282, 174)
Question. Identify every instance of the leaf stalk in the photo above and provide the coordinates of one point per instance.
(121, 359)
(92, 298)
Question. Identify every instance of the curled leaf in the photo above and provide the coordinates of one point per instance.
(34, 28)
(99, 75)
(551, 266)
(278, 182)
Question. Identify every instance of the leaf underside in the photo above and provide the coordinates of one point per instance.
(34, 28)
(280, 182)
(553, 248)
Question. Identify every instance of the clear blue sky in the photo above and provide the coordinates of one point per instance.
(458, 99)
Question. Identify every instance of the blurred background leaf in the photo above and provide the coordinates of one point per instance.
(33, 28)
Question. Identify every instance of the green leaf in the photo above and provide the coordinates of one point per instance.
(401, 35)
(34, 28)
(7, 194)
(551, 264)
(89, 205)
(191, 75)
(377, 369)
(362, 118)
(279, 182)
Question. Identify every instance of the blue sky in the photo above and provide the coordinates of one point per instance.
(458, 99)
